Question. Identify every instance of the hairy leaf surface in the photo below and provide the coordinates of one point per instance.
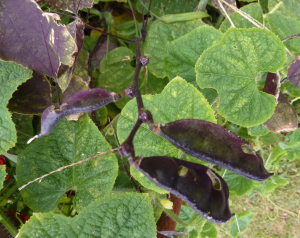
(184, 52)
(68, 143)
(71, 5)
(11, 76)
(120, 215)
(33, 96)
(178, 100)
(156, 45)
(289, 8)
(231, 68)
(39, 42)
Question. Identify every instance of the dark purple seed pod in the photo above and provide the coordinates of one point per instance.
(85, 101)
(145, 116)
(214, 144)
(144, 60)
(201, 188)
(129, 92)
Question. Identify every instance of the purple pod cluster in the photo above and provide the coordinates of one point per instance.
(201, 188)
(214, 144)
(84, 101)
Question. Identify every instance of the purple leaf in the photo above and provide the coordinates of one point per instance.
(85, 101)
(76, 29)
(284, 117)
(39, 43)
(32, 97)
(294, 72)
(201, 188)
(71, 5)
(214, 144)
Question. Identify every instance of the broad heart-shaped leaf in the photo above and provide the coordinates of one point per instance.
(231, 68)
(284, 26)
(289, 8)
(285, 117)
(116, 70)
(120, 215)
(243, 221)
(33, 96)
(71, 5)
(2, 175)
(202, 189)
(274, 182)
(294, 72)
(237, 184)
(253, 9)
(184, 52)
(156, 45)
(11, 76)
(68, 143)
(178, 100)
(39, 43)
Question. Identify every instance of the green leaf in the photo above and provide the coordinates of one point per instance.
(209, 231)
(284, 26)
(163, 7)
(11, 76)
(259, 130)
(292, 149)
(2, 175)
(277, 153)
(121, 215)
(231, 68)
(153, 85)
(184, 52)
(289, 8)
(237, 184)
(156, 45)
(116, 70)
(69, 142)
(179, 100)
(273, 182)
(291, 89)
(253, 9)
(243, 220)
(270, 138)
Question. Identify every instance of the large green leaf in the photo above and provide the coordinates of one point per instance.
(163, 7)
(156, 45)
(179, 100)
(289, 8)
(11, 76)
(69, 142)
(284, 26)
(184, 52)
(237, 184)
(253, 9)
(121, 215)
(231, 67)
(243, 221)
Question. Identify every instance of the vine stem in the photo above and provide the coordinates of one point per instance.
(8, 193)
(64, 167)
(280, 208)
(228, 17)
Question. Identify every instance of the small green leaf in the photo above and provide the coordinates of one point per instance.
(209, 231)
(68, 143)
(243, 221)
(121, 215)
(184, 52)
(270, 138)
(259, 130)
(11, 76)
(273, 182)
(116, 70)
(231, 68)
(2, 175)
(253, 9)
(292, 149)
(276, 154)
(284, 26)
(291, 89)
(178, 100)
(156, 45)
(237, 184)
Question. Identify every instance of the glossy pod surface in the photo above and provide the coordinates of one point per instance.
(201, 188)
(215, 144)
(84, 101)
